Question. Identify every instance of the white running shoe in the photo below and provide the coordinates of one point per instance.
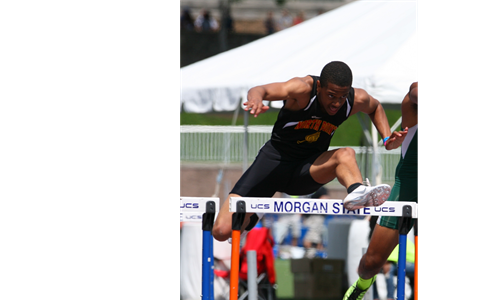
(364, 196)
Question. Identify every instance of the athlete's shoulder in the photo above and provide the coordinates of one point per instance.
(302, 84)
(409, 109)
(364, 102)
(414, 85)
(413, 93)
(298, 90)
(361, 95)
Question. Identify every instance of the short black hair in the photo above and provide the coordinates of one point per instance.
(336, 72)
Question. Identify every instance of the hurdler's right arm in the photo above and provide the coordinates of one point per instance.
(289, 90)
(271, 91)
(254, 100)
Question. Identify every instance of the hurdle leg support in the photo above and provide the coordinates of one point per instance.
(404, 228)
(416, 260)
(207, 287)
(237, 222)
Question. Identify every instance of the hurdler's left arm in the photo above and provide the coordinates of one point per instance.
(376, 112)
(379, 119)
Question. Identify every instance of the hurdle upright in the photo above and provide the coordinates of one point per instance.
(416, 258)
(204, 211)
(241, 205)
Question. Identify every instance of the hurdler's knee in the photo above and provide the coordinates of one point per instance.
(346, 153)
(369, 265)
(221, 231)
(350, 151)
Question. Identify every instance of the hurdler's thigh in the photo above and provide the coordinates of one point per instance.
(302, 182)
(264, 177)
(398, 194)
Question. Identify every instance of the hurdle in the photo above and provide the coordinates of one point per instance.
(241, 205)
(203, 210)
(404, 228)
(416, 259)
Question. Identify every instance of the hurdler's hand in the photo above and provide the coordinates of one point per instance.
(255, 106)
(396, 139)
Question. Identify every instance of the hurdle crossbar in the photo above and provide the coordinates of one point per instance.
(193, 208)
(318, 206)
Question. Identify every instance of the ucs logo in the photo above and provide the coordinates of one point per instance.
(384, 209)
(260, 206)
(193, 217)
(190, 205)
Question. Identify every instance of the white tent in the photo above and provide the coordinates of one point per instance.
(376, 39)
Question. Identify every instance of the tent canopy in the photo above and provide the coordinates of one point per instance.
(376, 39)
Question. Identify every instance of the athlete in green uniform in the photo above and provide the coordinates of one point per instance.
(386, 235)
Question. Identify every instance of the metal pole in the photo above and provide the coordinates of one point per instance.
(211, 273)
(237, 222)
(207, 263)
(404, 228)
(235, 265)
(401, 267)
(376, 174)
(245, 142)
(252, 275)
(206, 282)
(415, 292)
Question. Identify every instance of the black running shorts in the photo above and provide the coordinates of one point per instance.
(273, 171)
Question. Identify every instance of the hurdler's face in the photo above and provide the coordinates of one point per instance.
(332, 97)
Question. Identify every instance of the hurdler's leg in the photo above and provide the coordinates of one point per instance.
(222, 229)
(339, 163)
(382, 243)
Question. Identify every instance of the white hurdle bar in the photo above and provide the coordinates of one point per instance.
(193, 208)
(203, 210)
(318, 206)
